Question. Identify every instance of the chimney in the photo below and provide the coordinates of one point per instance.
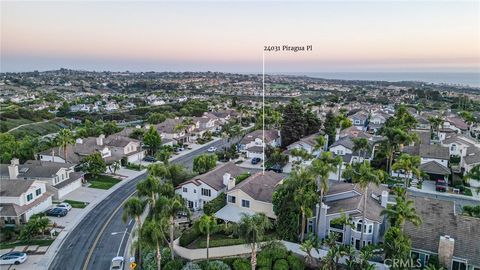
(13, 168)
(384, 199)
(337, 134)
(100, 139)
(446, 246)
(228, 181)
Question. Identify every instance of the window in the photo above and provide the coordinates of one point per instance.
(194, 191)
(38, 191)
(245, 203)
(231, 199)
(456, 265)
(29, 197)
(370, 228)
(185, 190)
(453, 148)
(336, 225)
(206, 192)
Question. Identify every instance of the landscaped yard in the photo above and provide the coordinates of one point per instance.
(76, 204)
(103, 182)
(221, 240)
(33, 242)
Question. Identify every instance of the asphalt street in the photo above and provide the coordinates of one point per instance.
(98, 237)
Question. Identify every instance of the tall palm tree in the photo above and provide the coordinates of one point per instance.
(395, 137)
(364, 175)
(149, 187)
(409, 165)
(168, 207)
(251, 229)
(305, 196)
(206, 225)
(319, 143)
(321, 168)
(403, 210)
(133, 208)
(64, 139)
(361, 146)
(153, 234)
(435, 122)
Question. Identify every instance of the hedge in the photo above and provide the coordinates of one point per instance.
(241, 264)
(188, 236)
(216, 204)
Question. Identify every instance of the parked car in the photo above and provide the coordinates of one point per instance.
(57, 212)
(64, 205)
(180, 148)
(276, 168)
(117, 263)
(13, 258)
(441, 185)
(256, 160)
(212, 149)
(149, 159)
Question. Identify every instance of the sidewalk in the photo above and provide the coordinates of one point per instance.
(42, 262)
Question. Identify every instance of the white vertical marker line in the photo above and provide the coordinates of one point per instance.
(263, 109)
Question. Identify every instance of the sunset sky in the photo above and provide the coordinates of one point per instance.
(218, 36)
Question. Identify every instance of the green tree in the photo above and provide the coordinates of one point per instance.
(152, 139)
(134, 208)
(206, 225)
(364, 175)
(409, 166)
(361, 146)
(395, 137)
(110, 128)
(156, 118)
(305, 196)
(204, 163)
(94, 164)
(153, 235)
(168, 207)
(436, 123)
(149, 187)
(251, 229)
(297, 123)
(403, 210)
(396, 244)
(330, 127)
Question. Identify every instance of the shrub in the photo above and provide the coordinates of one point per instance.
(173, 265)
(281, 264)
(189, 236)
(216, 204)
(191, 266)
(241, 177)
(264, 260)
(295, 262)
(241, 264)
(218, 265)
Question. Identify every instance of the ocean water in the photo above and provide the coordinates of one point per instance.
(454, 78)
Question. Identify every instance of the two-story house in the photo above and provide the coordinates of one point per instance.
(445, 233)
(170, 129)
(20, 199)
(206, 187)
(124, 148)
(309, 144)
(252, 143)
(359, 119)
(76, 152)
(345, 199)
(60, 178)
(434, 160)
(377, 120)
(456, 123)
(252, 195)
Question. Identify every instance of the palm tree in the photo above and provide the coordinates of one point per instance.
(64, 139)
(435, 122)
(319, 143)
(251, 229)
(361, 146)
(168, 207)
(133, 208)
(311, 243)
(153, 234)
(305, 195)
(206, 225)
(409, 165)
(395, 137)
(149, 187)
(364, 175)
(321, 168)
(404, 210)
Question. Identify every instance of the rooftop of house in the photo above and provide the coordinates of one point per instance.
(459, 139)
(270, 135)
(35, 169)
(433, 167)
(214, 178)
(457, 122)
(261, 186)
(434, 151)
(14, 188)
(169, 125)
(310, 140)
(472, 156)
(119, 141)
(439, 219)
(355, 201)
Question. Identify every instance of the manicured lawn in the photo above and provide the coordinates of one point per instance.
(39, 242)
(76, 204)
(221, 240)
(103, 182)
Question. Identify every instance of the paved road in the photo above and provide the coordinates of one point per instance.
(106, 240)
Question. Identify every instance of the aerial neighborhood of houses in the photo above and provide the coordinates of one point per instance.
(386, 171)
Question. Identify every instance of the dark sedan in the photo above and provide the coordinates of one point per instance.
(56, 212)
